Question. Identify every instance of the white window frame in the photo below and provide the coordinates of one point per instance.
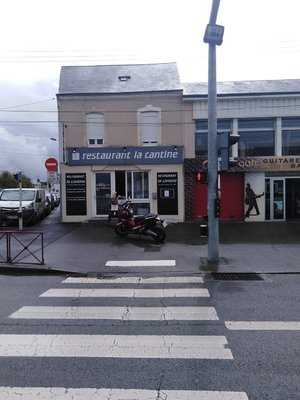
(137, 200)
(140, 120)
(99, 133)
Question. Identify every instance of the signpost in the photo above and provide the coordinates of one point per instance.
(213, 36)
(18, 178)
(51, 164)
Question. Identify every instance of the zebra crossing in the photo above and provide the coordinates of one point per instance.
(148, 345)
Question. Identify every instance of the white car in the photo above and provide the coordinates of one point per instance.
(33, 205)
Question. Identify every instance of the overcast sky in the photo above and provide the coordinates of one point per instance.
(261, 41)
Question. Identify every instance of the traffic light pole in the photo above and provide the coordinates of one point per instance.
(213, 221)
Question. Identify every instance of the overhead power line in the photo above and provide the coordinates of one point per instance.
(134, 111)
(78, 123)
(8, 108)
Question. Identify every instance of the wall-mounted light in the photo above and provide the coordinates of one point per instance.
(124, 148)
(175, 148)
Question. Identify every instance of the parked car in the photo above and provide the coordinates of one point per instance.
(55, 190)
(33, 205)
(56, 199)
(49, 203)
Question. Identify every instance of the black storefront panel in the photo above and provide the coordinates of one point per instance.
(167, 193)
(76, 194)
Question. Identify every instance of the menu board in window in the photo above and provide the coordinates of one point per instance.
(167, 193)
(76, 194)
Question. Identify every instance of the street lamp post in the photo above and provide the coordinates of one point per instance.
(213, 36)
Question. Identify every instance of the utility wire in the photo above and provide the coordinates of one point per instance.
(8, 108)
(136, 111)
(84, 123)
(74, 123)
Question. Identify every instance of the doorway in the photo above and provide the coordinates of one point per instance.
(103, 188)
(293, 198)
(275, 195)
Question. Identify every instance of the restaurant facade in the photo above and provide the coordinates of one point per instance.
(122, 131)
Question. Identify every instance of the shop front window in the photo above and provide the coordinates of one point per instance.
(138, 185)
(290, 136)
(256, 137)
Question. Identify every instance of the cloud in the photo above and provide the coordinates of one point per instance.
(22, 154)
(26, 112)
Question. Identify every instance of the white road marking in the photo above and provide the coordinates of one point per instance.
(131, 292)
(137, 280)
(142, 263)
(115, 346)
(60, 393)
(120, 313)
(263, 325)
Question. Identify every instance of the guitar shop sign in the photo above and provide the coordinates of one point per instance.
(283, 163)
(125, 155)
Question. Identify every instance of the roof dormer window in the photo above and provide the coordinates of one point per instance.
(124, 78)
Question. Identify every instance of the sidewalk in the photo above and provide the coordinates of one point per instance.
(256, 247)
(88, 248)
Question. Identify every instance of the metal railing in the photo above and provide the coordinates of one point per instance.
(22, 247)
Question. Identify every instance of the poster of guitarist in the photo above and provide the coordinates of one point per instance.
(250, 200)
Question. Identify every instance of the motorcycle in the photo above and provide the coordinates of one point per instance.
(148, 225)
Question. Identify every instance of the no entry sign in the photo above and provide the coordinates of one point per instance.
(51, 164)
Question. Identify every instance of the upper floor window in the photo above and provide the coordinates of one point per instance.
(257, 137)
(201, 137)
(95, 129)
(291, 136)
(149, 122)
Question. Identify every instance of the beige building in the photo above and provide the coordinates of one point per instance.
(124, 129)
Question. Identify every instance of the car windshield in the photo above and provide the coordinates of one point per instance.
(13, 195)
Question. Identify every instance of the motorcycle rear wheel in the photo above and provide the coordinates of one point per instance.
(160, 234)
(120, 230)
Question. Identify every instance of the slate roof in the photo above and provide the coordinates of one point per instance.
(236, 88)
(104, 79)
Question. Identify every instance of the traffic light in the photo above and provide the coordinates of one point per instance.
(201, 176)
(217, 208)
(225, 141)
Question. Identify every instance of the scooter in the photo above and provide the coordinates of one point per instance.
(148, 225)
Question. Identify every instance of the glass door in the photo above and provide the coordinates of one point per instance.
(277, 199)
(103, 185)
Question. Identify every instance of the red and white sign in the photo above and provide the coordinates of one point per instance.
(51, 164)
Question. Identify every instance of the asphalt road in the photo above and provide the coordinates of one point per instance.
(253, 364)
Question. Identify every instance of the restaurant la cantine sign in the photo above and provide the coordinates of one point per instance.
(284, 163)
(127, 155)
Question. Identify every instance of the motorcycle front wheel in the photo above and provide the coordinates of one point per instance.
(120, 230)
(160, 234)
